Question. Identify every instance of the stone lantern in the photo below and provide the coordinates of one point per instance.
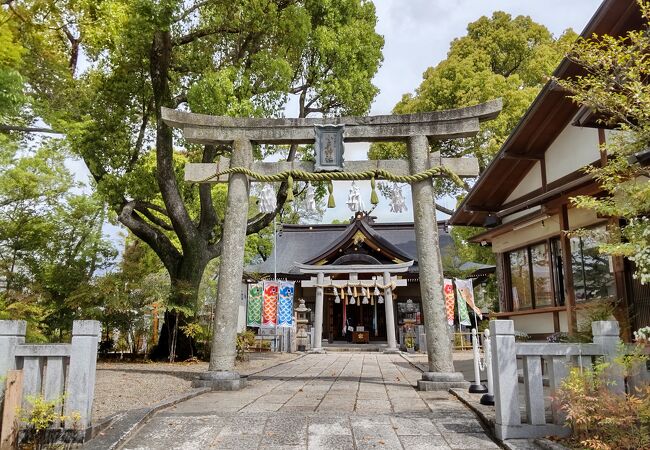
(302, 339)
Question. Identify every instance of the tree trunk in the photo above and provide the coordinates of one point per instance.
(184, 293)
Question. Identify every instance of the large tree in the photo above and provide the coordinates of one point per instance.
(615, 87)
(101, 72)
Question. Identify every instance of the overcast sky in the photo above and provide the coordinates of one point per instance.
(417, 34)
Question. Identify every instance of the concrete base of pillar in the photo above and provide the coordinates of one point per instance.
(441, 381)
(220, 381)
(393, 351)
(317, 350)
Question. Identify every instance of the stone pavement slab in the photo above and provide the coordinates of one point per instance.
(320, 401)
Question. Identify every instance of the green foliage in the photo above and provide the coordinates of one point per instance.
(12, 96)
(245, 340)
(615, 86)
(238, 58)
(500, 56)
(41, 414)
(51, 240)
(600, 418)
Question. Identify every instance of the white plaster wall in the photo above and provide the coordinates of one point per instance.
(542, 229)
(530, 182)
(573, 149)
(534, 323)
(537, 231)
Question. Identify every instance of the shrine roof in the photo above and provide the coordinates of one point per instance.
(310, 243)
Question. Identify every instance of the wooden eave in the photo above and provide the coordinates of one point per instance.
(370, 238)
(548, 115)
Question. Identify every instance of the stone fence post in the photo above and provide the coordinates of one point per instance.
(12, 333)
(606, 334)
(81, 373)
(504, 375)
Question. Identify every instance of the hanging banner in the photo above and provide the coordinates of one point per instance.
(463, 316)
(254, 305)
(466, 291)
(449, 300)
(285, 304)
(270, 306)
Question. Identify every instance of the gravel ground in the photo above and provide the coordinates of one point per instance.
(125, 386)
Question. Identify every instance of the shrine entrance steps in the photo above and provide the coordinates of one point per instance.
(341, 346)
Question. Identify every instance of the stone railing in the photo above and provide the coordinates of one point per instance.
(55, 371)
(557, 360)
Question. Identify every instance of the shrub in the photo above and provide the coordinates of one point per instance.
(41, 415)
(599, 418)
(559, 337)
(245, 340)
(521, 336)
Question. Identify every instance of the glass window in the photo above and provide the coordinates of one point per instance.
(540, 262)
(520, 275)
(592, 277)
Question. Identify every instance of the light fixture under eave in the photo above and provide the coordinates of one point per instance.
(530, 222)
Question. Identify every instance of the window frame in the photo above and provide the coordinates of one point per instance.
(514, 306)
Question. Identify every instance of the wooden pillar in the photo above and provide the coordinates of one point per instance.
(569, 290)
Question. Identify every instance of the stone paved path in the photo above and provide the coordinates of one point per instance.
(332, 401)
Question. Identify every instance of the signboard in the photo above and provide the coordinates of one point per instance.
(329, 147)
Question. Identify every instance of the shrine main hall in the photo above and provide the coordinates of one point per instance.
(366, 268)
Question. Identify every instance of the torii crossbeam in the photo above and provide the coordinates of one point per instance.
(414, 129)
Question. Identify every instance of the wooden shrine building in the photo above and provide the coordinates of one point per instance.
(342, 249)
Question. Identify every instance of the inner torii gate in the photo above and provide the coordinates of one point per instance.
(414, 129)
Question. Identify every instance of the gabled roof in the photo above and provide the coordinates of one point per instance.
(311, 244)
(547, 116)
(360, 230)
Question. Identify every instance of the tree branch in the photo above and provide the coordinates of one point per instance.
(201, 32)
(28, 129)
(156, 239)
(444, 210)
(161, 52)
(190, 10)
(141, 133)
(145, 207)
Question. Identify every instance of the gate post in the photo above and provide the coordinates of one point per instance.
(441, 373)
(12, 333)
(221, 374)
(318, 322)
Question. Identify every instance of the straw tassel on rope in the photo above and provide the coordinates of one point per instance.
(330, 201)
(289, 189)
(374, 199)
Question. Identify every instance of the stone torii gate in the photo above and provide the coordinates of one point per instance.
(329, 134)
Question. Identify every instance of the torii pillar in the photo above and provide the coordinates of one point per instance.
(414, 129)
